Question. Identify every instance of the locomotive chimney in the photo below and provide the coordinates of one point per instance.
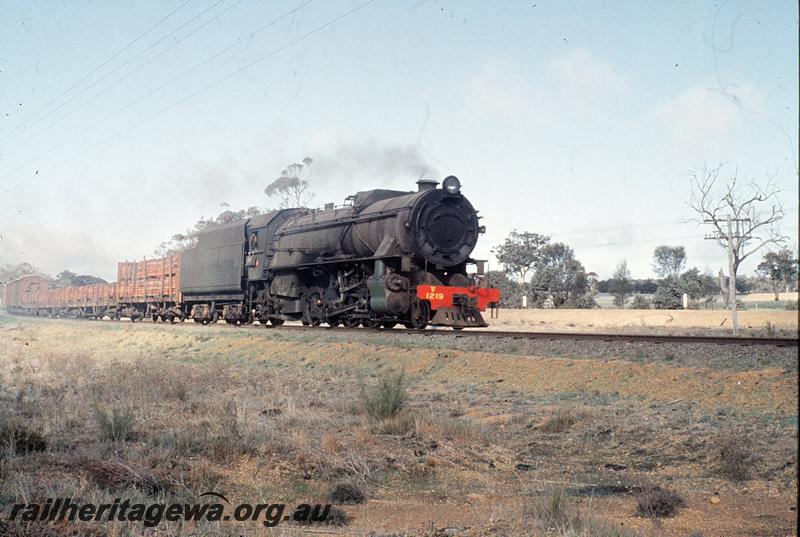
(426, 184)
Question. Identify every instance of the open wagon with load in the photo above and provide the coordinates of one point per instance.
(149, 288)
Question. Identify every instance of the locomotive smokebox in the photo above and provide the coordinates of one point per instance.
(444, 227)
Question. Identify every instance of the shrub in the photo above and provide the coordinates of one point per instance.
(330, 443)
(337, 517)
(17, 438)
(667, 297)
(639, 302)
(554, 511)
(386, 398)
(656, 502)
(345, 493)
(401, 423)
(735, 458)
(114, 426)
(551, 511)
(511, 292)
(116, 475)
(555, 515)
(560, 422)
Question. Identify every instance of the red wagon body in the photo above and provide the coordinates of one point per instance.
(149, 282)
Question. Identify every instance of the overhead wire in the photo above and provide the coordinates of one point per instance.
(86, 77)
(216, 82)
(130, 73)
(155, 90)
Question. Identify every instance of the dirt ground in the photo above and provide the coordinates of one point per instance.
(488, 441)
(755, 323)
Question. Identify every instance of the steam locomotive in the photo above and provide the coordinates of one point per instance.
(384, 257)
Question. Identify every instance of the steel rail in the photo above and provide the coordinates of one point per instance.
(585, 336)
(500, 334)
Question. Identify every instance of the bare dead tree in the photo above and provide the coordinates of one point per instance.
(744, 219)
(755, 212)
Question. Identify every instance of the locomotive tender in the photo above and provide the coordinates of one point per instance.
(383, 258)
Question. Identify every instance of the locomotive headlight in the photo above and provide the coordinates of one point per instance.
(451, 184)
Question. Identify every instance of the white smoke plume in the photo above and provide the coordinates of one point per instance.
(378, 165)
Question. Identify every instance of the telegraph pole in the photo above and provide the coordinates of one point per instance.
(729, 237)
(732, 284)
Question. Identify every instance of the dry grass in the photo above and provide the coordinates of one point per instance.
(115, 425)
(560, 422)
(646, 321)
(287, 421)
(555, 514)
(118, 476)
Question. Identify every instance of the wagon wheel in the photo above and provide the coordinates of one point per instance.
(334, 322)
(420, 315)
(389, 324)
(350, 322)
(313, 311)
(370, 323)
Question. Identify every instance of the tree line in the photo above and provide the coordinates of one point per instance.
(548, 275)
(65, 278)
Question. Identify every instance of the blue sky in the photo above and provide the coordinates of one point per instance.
(580, 120)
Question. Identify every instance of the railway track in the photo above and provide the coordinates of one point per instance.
(582, 336)
(546, 336)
